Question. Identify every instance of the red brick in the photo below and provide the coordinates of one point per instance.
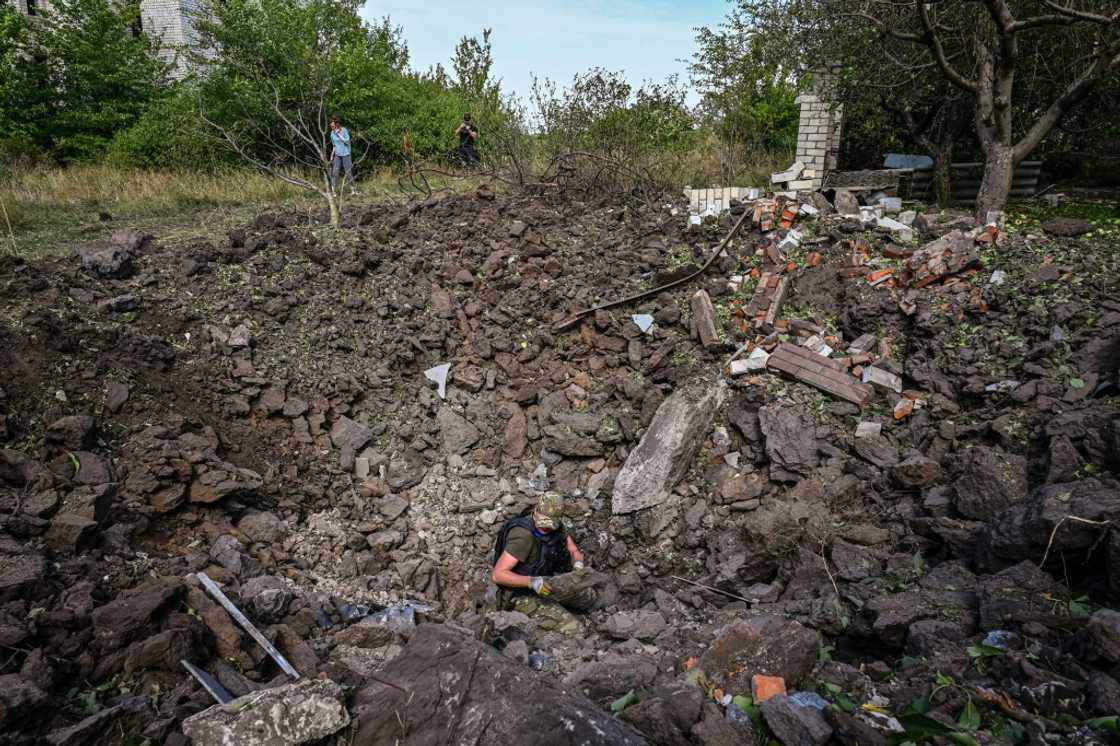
(765, 687)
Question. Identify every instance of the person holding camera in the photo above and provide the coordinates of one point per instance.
(467, 133)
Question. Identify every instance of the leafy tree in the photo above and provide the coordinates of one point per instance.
(747, 87)
(271, 73)
(1021, 65)
(22, 99)
(101, 72)
(601, 131)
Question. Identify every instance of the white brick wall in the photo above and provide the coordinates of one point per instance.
(818, 131)
(167, 20)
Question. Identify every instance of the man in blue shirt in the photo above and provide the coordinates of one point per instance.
(340, 155)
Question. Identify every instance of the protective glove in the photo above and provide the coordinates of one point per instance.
(577, 565)
(540, 586)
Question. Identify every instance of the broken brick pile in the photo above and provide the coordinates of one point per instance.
(820, 371)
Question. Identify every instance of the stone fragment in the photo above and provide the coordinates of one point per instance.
(457, 433)
(640, 624)
(116, 396)
(794, 724)
(1067, 227)
(668, 446)
(76, 432)
(868, 429)
(611, 677)
(129, 614)
(989, 482)
(491, 692)
(301, 712)
(766, 645)
(106, 259)
(21, 576)
(791, 442)
(704, 319)
(764, 687)
(915, 472)
(71, 533)
(19, 699)
(753, 363)
(882, 378)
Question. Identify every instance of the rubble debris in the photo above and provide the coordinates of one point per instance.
(765, 305)
(488, 691)
(951, 254)
(794, 723)
(764, 687)
(882, 378)
(664, 453)
(213, 589)
(819, 371)
(765, 645)
(754, 363)
(295, 713)
(868, 430)
(704, 319)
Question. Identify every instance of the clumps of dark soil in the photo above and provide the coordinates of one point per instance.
(941, 558)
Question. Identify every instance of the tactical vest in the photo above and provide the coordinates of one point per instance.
(553, 559)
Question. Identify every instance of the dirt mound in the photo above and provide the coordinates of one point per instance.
(259, 409)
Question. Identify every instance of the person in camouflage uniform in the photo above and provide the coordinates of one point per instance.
(533, 548)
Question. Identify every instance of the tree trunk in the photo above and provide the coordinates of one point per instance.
(995, 186)
(333, 204)
(943, 173)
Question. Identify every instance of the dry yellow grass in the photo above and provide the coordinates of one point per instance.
(43, 209)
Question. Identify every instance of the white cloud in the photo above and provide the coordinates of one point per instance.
(647, 40)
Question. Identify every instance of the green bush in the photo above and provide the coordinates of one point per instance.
(170, 134)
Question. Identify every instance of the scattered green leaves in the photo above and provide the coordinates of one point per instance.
(620, 704)
(969, 718)
(981, 650)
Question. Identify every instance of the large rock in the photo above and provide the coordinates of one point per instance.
(129, 715)
(791, 441)
(613, 676)
(77, 432)
(1024, 531)
(301, 712)
(666, 450)
(1104, 634)
(106, 259)
(128, 615)
(989, 482)
(457, 432)
(19, 699)
(348, 435)
(21, 576)
(641, 624)
(765, 645)
(1067, 227)
(454, 689)
(795, 724)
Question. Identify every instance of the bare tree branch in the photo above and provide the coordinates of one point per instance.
(933, 41)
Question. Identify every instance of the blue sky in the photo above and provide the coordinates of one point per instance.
(646, 39)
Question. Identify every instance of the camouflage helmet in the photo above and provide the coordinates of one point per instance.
(550, 510)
